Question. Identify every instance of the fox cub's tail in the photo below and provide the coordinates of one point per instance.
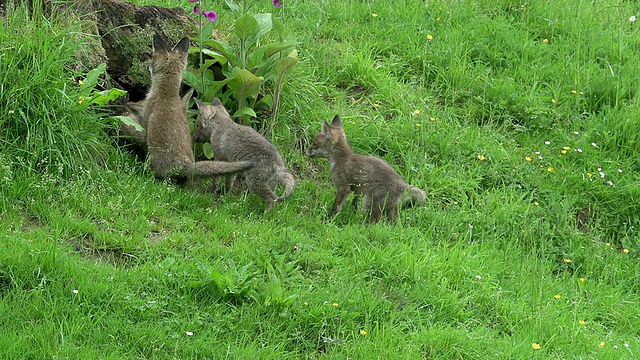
(414, 197)
(287, 181)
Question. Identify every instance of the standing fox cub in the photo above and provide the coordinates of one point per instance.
(383, 188)
(168, 135)
(234, 142)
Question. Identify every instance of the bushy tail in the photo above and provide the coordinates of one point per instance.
(414, 197)
(213, 168)
(286, 179)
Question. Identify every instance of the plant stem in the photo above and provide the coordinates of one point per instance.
(200, 15)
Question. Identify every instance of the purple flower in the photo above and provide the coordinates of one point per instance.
(210, 15)
(193, 0)
(196, 10)
(277, 3)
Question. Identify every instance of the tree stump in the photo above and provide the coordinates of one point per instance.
(125, 32)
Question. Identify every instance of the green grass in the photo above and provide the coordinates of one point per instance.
(106, 262)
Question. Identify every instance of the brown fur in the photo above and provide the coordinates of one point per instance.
(383, 188)
(168, 135)
(234, 142)
(135, 111)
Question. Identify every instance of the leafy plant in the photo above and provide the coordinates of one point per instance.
(237, 284)
(89, 95)
(254, 63)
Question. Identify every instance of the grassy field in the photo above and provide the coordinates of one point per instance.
(519, 119)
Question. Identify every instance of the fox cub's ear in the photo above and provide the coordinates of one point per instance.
(336, 121)
(182, 45)
(205, 109)
(159, 44)
(325, 128)
(186, 97)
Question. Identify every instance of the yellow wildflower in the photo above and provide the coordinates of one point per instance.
(529, 159)
(553, 101)
(416, 112)
(363, 332)
(374, 15)
(583, 279)
(568, 260)
(550, 169)
(574, 91)
(418, 124)
(80, 82)
(582, 322)
(536, 203)
(335, 304)
(429, 37)
(536, 346)
(557, 296)
(481, 157)
(546, 41)
(626, 251)
(601, 344)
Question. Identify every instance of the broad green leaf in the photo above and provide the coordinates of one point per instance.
(264, 26)
(128, 121)
(244, 111)
(215, 55)
(236, 9)
(223, 48)
(279, 27)
(275, 48)
(265, 102)
(213, 88)
(289, 299)
(103, 97)
(207, 150)
(245, 27)
(285, 64)
(244, 84)
(91, 79)
(260, 57)
(256, 60)
(207, 29)
(208, 63)
(193, 80)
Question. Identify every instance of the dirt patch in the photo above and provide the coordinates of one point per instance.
(582, 220)
(89, 249)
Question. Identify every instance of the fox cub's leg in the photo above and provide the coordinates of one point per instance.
(229, 180)
(341, 196)
(265, 191)
(356, 200)
(391, 211)
(372, 208)
(214, 187)
(376, 214)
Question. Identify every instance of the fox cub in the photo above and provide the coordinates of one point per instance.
(168, 136)
(383, 188)
(136, 139)
(234, 142)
